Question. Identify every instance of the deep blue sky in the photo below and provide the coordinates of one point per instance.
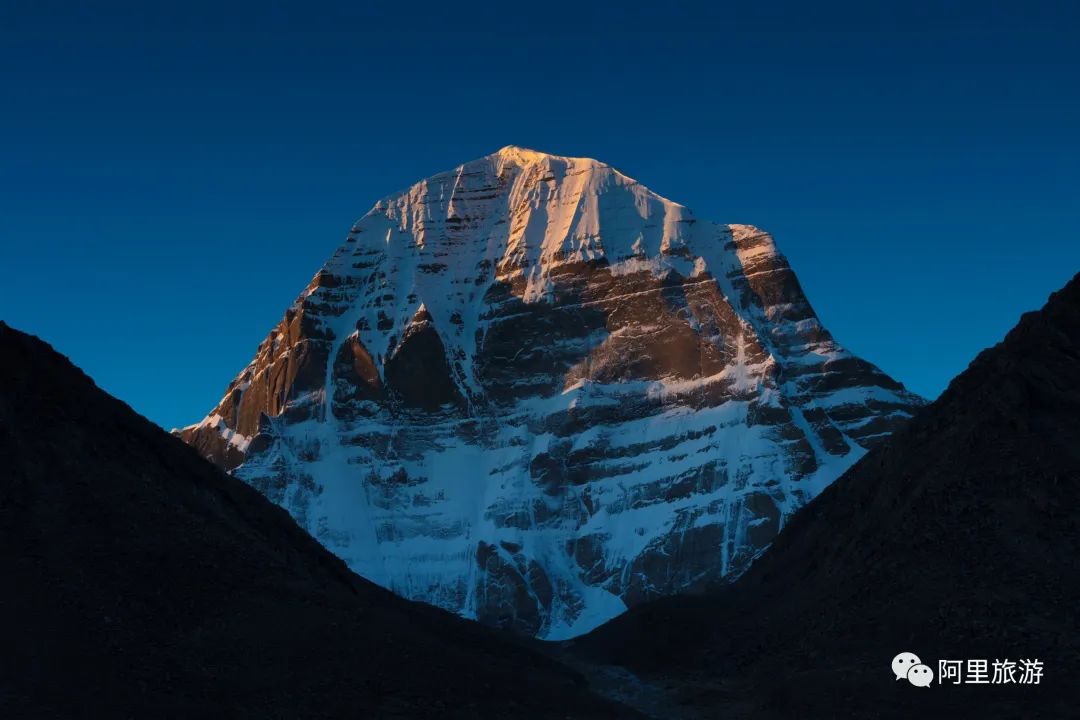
(171, 176)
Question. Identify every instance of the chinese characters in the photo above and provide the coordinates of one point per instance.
(984, 672)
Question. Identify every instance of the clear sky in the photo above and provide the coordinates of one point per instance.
(172, 174)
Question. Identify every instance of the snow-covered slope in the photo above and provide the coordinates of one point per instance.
(532, 391)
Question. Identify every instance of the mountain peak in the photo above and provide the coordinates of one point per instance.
(517, 151)
(535, 392)
(525, 156)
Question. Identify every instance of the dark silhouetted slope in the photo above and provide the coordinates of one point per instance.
(958, 538)
(141, 581)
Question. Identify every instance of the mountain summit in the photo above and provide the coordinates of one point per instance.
(532, 391)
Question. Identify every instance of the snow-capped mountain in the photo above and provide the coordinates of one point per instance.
(534, 392)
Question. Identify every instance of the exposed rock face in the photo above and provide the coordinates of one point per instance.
(534, 392)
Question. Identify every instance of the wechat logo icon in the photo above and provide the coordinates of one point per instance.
(908, 665)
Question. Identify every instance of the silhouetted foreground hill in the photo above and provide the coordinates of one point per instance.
(141, 581)
(959, 538)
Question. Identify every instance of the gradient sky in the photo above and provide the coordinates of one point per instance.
(173, 174)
